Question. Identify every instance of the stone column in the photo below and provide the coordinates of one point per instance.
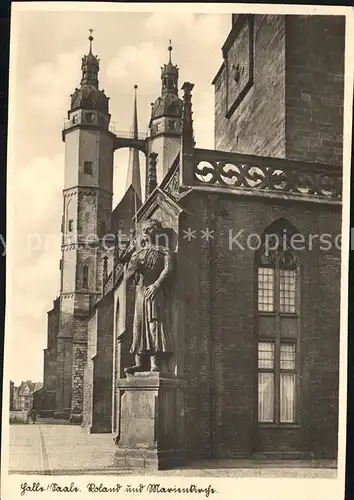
(151, 429)
(188, 143)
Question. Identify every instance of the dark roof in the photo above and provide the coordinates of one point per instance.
(89, 97)
(167, 105)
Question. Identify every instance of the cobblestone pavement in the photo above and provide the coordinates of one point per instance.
(54, 449)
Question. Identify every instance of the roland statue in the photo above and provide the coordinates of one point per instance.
(149, 265)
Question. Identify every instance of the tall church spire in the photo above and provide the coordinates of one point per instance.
(133, 177)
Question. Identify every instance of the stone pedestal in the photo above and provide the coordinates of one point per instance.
(75, 417)
(150, 421)
(65, 414)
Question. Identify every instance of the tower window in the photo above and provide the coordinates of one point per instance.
(85, 277)
(70, 225)
(102, 229)
(172, 124)
(74, 119)
(88, 169)
(89, 117)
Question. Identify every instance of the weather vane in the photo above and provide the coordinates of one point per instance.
(170, 48)
(91, 38)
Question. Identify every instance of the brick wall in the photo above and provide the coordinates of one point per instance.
(89, 257)
(315, 87)
(87, 211)
(64, 374)
(53, 324)
(103, 367)
(194, 329)
(79, 361)
(320, 347)
(50, 369)
(294, 108)
(88, 369)
(220, 337)
(257, 126)
(50, 365)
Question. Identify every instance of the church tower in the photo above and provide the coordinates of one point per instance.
(87, 207)
(166, 120)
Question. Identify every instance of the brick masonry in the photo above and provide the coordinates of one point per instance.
(315, 88)
(64, 374)
(248, 130)
(294, 108)
(45, 401)
(50, 354)
(103, 368)
(79, 360)
(220, 349)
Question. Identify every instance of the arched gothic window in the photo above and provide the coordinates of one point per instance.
(277, 308)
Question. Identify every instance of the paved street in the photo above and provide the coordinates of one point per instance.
(49, 448)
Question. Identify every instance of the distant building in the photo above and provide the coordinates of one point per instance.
(21, 397)
(12, 387)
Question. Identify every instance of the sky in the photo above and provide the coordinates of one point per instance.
(45, 67)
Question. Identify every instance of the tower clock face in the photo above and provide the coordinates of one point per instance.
(239, 63)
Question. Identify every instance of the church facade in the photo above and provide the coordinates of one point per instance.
(252, 232)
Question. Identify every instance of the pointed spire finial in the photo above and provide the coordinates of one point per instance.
(169, 48)
(135, 114)
(90, 39)
(133, 177)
